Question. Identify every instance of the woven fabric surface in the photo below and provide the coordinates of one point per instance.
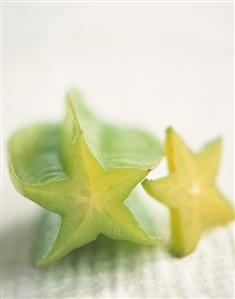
(111, 269)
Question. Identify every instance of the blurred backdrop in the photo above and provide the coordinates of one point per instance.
(151, 65)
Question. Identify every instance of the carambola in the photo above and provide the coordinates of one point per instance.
(83, 169)
(190, 192)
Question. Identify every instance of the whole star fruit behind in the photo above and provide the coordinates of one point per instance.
(190, 192)
(83, 170)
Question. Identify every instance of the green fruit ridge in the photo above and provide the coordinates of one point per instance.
(83, 170)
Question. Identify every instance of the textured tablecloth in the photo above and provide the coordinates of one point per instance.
(112, 269)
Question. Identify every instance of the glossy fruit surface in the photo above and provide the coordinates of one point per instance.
(83, 170)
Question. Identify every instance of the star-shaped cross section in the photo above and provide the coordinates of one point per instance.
(83, 170)
(190, 192)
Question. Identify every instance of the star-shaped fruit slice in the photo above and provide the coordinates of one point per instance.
(83, 170)
(190, 192)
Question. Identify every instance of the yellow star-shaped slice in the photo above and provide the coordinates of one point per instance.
(190, 192)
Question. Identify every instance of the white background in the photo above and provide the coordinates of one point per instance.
(152, 65)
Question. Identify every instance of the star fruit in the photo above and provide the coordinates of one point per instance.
(83, 170)
(190, 192)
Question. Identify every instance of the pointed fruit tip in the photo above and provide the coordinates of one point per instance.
(44, 263)
(169, 130)
(218, 140)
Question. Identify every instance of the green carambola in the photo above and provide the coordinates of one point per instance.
(83, 170)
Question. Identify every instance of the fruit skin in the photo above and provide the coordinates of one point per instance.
(83, 170)
(190, 192)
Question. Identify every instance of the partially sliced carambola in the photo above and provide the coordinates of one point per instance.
(190, 192)
(83, 170)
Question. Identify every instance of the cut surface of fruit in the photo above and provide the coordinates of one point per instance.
(190, 192)
(83, 170)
